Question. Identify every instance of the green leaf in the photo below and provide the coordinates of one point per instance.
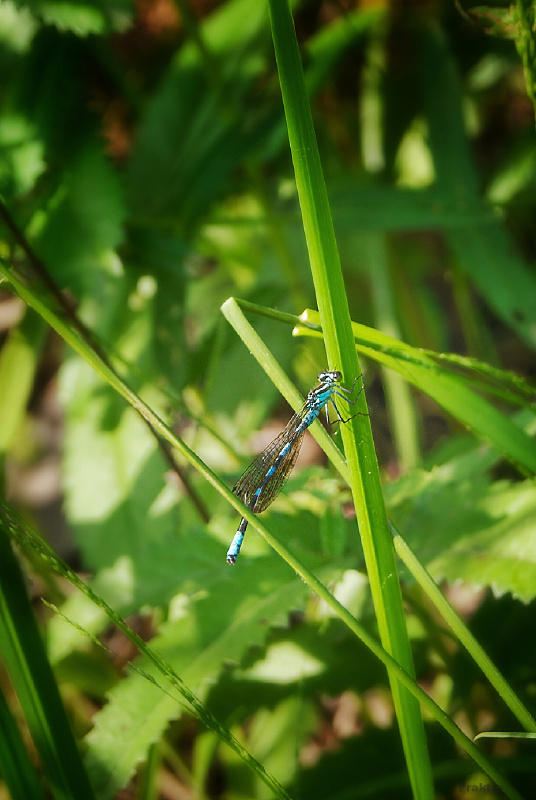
(82, 225)
(115, 495)
(83, 17)
(484, 251)
(21, 155)
(192, 134)
(464, 526)
(203, 633)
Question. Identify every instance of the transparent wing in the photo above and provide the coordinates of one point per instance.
(255, 476)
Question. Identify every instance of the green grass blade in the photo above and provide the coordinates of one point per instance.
(451, 391)
(336, 324)
(25, 658)
(427, 583)
(524, 13)
(399, 403)
(16, 769)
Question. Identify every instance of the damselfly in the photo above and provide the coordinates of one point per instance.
(262, 481)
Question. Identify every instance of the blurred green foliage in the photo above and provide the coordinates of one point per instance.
(143, 155)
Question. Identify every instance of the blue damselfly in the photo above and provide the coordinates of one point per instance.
(262, 481)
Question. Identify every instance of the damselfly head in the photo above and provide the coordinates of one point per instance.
(333, 376)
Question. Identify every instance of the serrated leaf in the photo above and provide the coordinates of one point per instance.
(206, 631)
(463, 526)
(129, 585)
(194, 559)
